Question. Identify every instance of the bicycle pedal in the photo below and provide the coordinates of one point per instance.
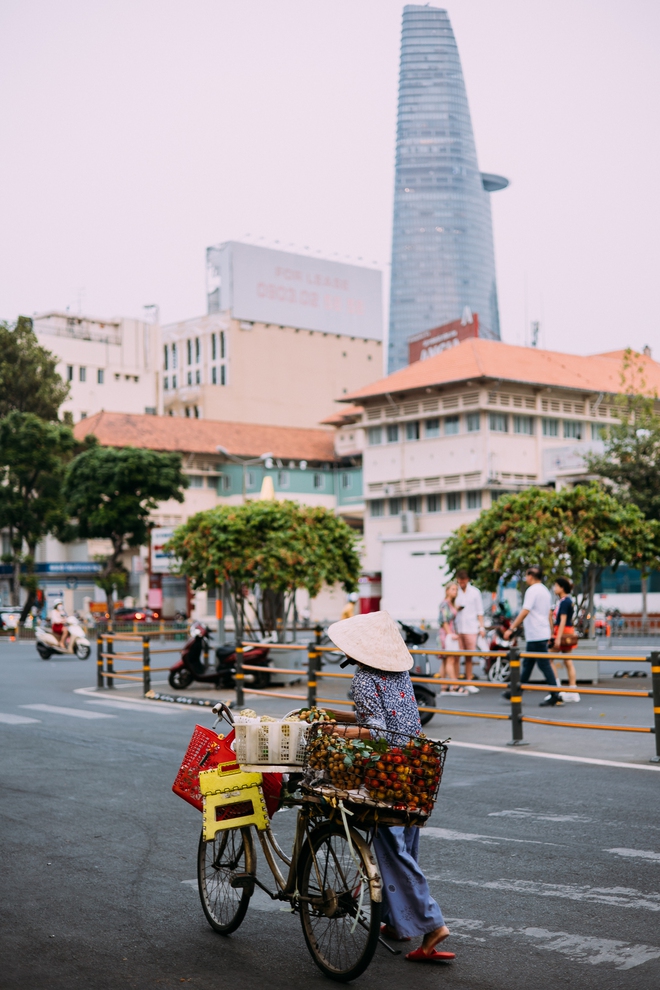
(243, 881)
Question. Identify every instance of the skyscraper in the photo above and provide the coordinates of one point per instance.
(442, 244)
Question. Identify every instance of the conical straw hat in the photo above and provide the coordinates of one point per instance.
(372, 639)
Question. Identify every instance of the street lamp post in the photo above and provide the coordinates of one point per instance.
(245, 462)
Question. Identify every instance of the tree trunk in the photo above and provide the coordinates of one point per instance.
(30, 584)
(16, 581)
(645, 614)
(592, 594)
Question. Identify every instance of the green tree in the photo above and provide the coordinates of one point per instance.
(28, 379)
(575, 531)
(630, 463)
(263, 552)
(33, 458)
(111, 492)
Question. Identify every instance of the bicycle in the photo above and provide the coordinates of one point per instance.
(332, 880)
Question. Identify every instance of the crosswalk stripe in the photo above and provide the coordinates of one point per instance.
(74, 712)
(9, 719)
(126, 706)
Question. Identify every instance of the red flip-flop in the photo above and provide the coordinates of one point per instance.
(417, 955)
(386, 932)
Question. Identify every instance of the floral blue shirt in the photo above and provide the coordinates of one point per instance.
(386, 701)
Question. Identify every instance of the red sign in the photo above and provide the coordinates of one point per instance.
(431, 342)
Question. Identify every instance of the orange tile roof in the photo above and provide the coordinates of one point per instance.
(476, 359)
(343, 416)
(203, 436)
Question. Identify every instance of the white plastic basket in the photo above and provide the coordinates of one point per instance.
(270, 743)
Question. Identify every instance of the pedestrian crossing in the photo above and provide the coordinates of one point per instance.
(72, 712)
(116, 707)
(10, 719)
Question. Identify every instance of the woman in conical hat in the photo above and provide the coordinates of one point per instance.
(385, 702)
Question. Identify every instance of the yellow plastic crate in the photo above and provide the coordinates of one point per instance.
(223, 789)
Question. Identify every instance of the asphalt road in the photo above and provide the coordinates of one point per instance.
(548, 871)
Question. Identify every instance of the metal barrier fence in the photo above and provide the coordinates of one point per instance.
(515, 687)
(106, 657)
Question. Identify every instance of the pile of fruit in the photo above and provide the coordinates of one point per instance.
(310, 715)
(405, 776)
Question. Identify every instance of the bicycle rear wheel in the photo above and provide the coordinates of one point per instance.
(231, 852)
(340, 921)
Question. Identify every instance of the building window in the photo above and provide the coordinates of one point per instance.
(377, 507)
(214, 347)
(166, 383)
(414, 503)
(214, 375)
(453, 501)
(189, 351)
(82, 374)
(196, 412)
(395, 506)
(523, 424)
(550, 427)
(451, 425)
(175, 358)
(166, 357)
(173, 381)
(598, 431)
(433, 503)
(499, 422)
(198, 377)
(83, 415)
(189, 377)
(100, 376)
(222, 345)
(198, 350)
(212, 482)
(392, 433)
(282, 479)
(572, 430)
(412, 431)
(318, 480)
(225, 482)
(251, 479)
(374, 435)
(187, 412)
(346, 480)
(473, 421)
(474, 500)
(432, 428)
(69, 372)
(196, 480)
(223, 376)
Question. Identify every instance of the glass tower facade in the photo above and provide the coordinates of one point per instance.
(442, 245)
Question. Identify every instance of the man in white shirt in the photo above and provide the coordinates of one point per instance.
(469, 621)
(535, 617)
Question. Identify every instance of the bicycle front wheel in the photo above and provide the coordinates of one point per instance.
(231, 852)
(340, 920)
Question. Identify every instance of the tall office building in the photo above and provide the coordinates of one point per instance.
(442, 246)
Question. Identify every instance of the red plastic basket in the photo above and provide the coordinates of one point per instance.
(205, 750)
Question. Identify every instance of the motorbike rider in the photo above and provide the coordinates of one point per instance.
(58, 623)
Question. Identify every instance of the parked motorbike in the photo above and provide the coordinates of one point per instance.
(191, 665)
(77, 643)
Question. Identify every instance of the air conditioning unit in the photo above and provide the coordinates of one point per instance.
(408, 522)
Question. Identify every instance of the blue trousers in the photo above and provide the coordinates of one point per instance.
(407, 903)
(544, 665)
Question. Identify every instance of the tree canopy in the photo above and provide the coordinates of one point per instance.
(111, 493)
(33, 458)
(29, 382)
(566, 532)
(266, 545)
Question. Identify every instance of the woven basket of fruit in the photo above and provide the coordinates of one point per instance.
(393, 779)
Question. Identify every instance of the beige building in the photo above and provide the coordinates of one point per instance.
(111, 364)
(217, 367)
(444, 438)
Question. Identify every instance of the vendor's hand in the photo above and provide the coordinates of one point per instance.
(507, 634)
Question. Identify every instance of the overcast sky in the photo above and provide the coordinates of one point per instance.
(137, 132)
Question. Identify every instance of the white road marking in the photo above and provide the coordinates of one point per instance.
(74, 712)
(486, 840)
(130, 706)
(635, 854)
(526, 813)
(580, 948)
(622, 897)
(16, 719)
(555, 756)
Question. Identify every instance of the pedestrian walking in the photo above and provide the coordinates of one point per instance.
(535, 618)
(469, 622)
(565, 639)
(448, 639)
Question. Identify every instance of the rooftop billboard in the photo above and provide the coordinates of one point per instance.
(263, 285)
